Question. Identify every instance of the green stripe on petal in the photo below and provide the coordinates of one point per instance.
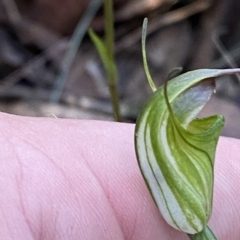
(176, 152)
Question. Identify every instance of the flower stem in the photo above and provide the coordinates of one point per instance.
(109, 43)
(205, 234)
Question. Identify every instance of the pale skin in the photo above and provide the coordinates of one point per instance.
(79, 179)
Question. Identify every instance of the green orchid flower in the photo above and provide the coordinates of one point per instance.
(176, 150)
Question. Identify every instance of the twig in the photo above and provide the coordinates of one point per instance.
(75, 42)
(221, 63)
(12, 10)
(226, 56)
(14, 77)
(162, 21)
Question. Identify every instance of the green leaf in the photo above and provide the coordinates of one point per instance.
(176, 152)
(103, 53)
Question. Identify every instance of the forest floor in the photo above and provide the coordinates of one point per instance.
(34, 41)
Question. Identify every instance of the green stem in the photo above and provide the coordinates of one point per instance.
(109, 41)
(109, 27)
(205, 234)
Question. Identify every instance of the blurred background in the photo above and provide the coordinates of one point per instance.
(35, 37)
